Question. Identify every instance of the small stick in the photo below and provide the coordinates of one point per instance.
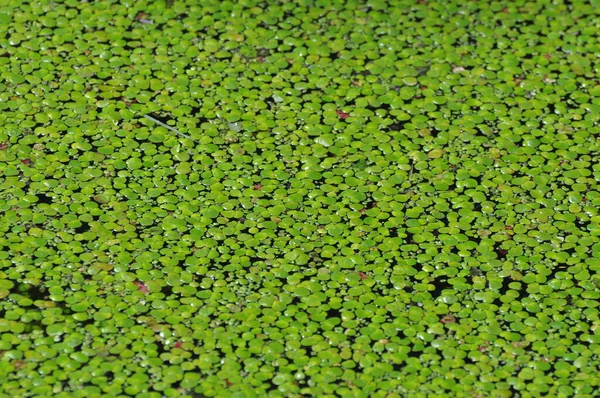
(170, 128)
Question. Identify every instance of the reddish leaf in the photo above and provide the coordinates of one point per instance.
(3, 146)
(126, 101)
(258, 187)
(142, 17)
(501, 252)
(362, 275)
(548, 56)
(19, 364)
(342, 114)
(179, 344)
(26, 161)
(448, 319)
(141, 287)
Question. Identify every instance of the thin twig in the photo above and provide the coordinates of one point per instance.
(170, 128)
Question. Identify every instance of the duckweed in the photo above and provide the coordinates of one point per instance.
(299, 198)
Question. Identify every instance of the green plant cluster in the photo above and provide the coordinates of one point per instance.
(379, 199)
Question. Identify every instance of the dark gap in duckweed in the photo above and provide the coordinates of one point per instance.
(409, 237)
(32, 292)
(376, 108)
(195, 113)
(181, 16)
(43, 198)
(508, 284)
(440, 284)
(84, 227)
(196, 395)
(167, 290)
(396, 126)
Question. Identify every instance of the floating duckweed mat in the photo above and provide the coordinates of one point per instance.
(353, 199)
